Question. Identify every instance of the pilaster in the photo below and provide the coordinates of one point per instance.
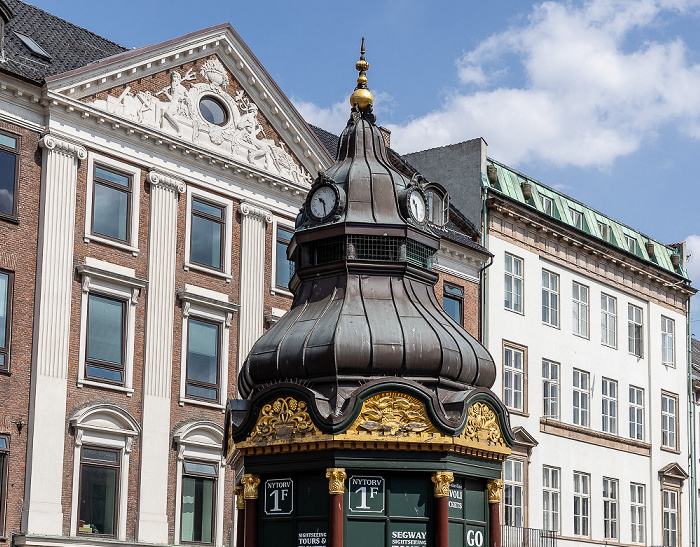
(157, 367)
(254, 221)
(42, 509)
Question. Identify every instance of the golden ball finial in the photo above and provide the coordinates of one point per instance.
(362, 96)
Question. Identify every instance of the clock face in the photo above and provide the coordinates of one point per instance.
(416, 205)
(323, 202)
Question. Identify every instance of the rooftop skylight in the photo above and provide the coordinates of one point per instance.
(35, 48)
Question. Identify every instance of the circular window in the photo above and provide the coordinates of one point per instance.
(213, 111)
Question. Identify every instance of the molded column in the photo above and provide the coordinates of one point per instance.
(254, 222)
(157, 366)
(42, 511)
(494, 488)
(240, 515)
(442, 481)
(250, 493)
(336, 488)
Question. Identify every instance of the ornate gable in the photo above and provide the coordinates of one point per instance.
(202, 103)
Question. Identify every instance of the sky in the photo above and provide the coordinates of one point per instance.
(599, 99)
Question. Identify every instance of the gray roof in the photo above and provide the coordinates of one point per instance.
(695, 357)
(67, 45)
(328, 139)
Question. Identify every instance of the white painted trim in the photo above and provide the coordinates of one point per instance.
(135, 172)
(227, 204)
(455, 273)
(285, 224)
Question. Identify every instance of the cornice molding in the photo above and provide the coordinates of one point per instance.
(51, 142)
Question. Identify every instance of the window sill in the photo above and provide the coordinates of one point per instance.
(10, 219)
(522, 413)
(5, 372)
(586, 435)
(516, 312)
(211, 271)
(550, 325)
(124, 247)
(279, 290)
(607, 345)
(128, 390)
(670, 450)
(586, 337)
(216, 406)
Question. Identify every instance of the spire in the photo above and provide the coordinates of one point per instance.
(362, 95)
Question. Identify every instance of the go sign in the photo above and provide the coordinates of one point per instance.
(475, 536)
(366, 494)
(279, 497)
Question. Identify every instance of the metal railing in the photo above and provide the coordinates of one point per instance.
(516, 536)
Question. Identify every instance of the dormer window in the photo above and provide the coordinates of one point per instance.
(35, 48)
(577, 219)
(631, 244)
(438, 210)
(547, 205)
(604, 230)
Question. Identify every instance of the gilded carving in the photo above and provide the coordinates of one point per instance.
(482, 426)
(336, 480)
(393, 414)
(441, 481)
(284, 417)
(250, 486)
(240, 499)
(494, 488)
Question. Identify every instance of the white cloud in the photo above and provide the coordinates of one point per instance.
(692, 243)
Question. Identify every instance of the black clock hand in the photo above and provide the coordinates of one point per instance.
(324, 205)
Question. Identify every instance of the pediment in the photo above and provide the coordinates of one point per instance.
(673, 471)
(523, 438)
(161, 90)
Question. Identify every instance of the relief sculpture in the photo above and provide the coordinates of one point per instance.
(205, 113)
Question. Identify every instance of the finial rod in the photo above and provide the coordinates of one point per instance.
(362, 96)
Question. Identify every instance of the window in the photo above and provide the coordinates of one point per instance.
(551, 492)
(580, 309)
(609, 401)
(198, 501)
(285, 268)
(452, 300)
(604, 230)
(112, 203)
(550, 298)
(513, 283)
(582, 503)
(638, 512)
(636, 413)
(513, 492)
(547, 205)
(4, 465)
(513, 378)
(669, 421)
(550, 389)
(576, 218)
(608, 320)
(634, 330)
(667, 345)
(9, 174)
(670, 510)
(610, 496)
(208, 233)
(6, 283)
(631, 244)
(99, 489)
(107, 320)
(582, 397)
(206, 321)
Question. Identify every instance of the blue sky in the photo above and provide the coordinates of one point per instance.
(600, 99)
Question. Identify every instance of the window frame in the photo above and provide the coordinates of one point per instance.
(215, 479)
(522, 350)
(585, 503)
(14, 215)
(611, 504)
(287, 226)
(446, 294)
(547, 203)
(219, 221)
(226, 205)
(631, 244)
(134, 173)
(604, 230)
(578, 304)
(638, 513)
(514, 485)
(668, 417)
(587, 392)
(551, 293)
(5, 453)
(101, 364)
(547, 383)
(672, 494)
(638, 410)
(609, 406)
(514, 277)
(576, 218)
(6, 350)
(196, 383)
(548, 493)
(117, 489)
(665, 337)
(635, 344)
(605, 329)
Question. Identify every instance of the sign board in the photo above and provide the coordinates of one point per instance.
(366, 494)
(474, 536)
(407, 534)
(279, 497)
(313, 539)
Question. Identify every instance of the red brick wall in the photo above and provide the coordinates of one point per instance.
(470, 305)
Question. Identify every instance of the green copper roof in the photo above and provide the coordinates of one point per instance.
(551, 202)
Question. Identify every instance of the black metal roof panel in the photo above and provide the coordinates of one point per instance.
(67, 45)
(328, 139)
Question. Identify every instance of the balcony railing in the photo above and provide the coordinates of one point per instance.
(516, 536)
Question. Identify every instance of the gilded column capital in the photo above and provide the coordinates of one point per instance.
(163, 180)
(51, 142)
(240, 499)
(253, 211)
(442, 481)
(336, 480)
(494, 487)
(250, 486)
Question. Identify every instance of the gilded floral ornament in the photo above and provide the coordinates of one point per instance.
(283, 417)
(442, 481)
(482, 425)
(393, 414)
(250, 486)
(336, 480)
(240, 500)
(494, 488)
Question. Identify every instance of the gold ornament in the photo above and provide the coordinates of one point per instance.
(250, 486)
(393, 414)
(494, 489)
(442, 481)
(361, 95)
(482, 426)
(284, 417)
(336, 480)
(240, 500)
